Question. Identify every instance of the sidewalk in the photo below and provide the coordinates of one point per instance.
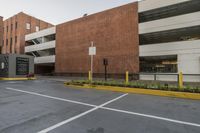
(59, 78)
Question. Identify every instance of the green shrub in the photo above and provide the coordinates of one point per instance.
(136, 84)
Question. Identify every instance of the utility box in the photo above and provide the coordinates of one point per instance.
(16, 66)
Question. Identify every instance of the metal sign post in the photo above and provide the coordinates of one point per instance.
(92, 52)
(105, 63)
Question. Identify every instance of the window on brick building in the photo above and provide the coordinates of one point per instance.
(6, 41)
(10, 45)
(28, 26)
(15, 25)
(11, 27)
(37, 28)
(15, 39)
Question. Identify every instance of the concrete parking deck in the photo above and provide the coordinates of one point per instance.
(42, 106)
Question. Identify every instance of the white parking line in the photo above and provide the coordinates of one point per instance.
(152, 116)
(51, 97)
(67, 121)
(106, 108)
(80, 115)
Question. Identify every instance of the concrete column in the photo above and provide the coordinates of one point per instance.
(1, 33)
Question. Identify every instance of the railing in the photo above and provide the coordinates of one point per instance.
(158, 76)
(39, 47)
(44, 59)
(169, 77)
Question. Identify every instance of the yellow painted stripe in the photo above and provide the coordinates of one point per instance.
(18, 78)
(185, 95)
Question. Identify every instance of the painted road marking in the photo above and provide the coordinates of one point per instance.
(51, 97)
(80, 115)
(111, 109)
(67, 121)
(152, 116)
(13, 82)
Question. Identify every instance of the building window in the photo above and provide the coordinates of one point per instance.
(159, 64)
(15, 39)
(28, 26)
(11, 27)
(6, 42)
(10, 41)
(10, 45)
(15, 25)
(37, 28)
(7, 28)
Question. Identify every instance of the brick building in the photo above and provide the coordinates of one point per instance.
(155, 38)
(1, 32)
(115, 36)
(14, 30)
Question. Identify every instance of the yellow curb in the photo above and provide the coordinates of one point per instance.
(184, 95)
(9, 79)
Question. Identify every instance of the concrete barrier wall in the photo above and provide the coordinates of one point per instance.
(158, 77)
(186, 78)
(176, 22)
(147, 5)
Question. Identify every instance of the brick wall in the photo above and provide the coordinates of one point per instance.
(115, 34)
(18, 32)
(1, 32)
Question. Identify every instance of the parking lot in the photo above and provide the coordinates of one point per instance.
(41, 106)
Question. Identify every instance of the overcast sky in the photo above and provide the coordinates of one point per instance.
(57, 11)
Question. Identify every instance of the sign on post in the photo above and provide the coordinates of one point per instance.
(105, 63)
(92, 50)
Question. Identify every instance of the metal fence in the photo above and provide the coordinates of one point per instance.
(169, 77)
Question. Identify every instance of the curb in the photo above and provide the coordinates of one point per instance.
(17, 79)
(183, 95)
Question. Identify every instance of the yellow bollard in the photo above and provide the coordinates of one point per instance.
(127, 77)
(180, 80)
(89, 76)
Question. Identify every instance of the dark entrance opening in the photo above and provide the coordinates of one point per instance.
(45, 69)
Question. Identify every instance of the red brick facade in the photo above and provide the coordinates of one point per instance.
(1, 32)
(115, 35)
(15, 30)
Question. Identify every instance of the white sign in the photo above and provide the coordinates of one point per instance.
(2, 65)
(92, 50)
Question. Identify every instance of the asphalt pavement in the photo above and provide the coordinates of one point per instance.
(45, 105)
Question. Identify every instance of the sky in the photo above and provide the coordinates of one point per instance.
(57, 11)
